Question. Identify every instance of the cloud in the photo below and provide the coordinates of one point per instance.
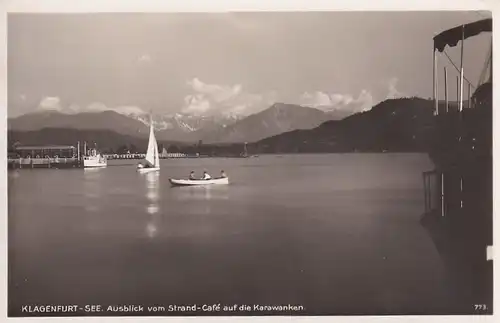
(218, 93)
(316, 99)
(393, 92)
(208, 99)
(342, 99)
(346, 102)
(129, 109)
(100, 107)
(54, 103)
(50, 103)
(336, 101)
(365, 100)
(196, 104)
(73, 108)
(95, 107)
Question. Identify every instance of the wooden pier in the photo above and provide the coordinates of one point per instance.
(49, 156)
(20, 163)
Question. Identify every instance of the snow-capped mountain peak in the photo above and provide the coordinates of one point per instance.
(185, 122)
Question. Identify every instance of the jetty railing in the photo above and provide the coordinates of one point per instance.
(47, 162)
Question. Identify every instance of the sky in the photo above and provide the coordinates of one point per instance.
(232, 63)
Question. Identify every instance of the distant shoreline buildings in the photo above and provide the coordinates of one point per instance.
(163, 154)
(67, 156)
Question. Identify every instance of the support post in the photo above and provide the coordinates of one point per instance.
(461, 102)
(461, 91)
(461, 191)
(469, 104)
(424, 178)
(446, 88)
(442, 195)
(434, 81)
(491, 60)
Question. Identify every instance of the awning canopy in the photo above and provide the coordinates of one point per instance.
(451, 37)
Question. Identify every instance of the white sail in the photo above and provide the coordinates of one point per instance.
(152, 155)
(156, 153)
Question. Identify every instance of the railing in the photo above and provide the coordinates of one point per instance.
(140, 156)
(433, 196)
(124, 156)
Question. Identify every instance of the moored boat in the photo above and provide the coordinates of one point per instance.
(94, 159)
(141, 169)
(197, 182)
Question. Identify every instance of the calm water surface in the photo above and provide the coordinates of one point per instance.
(338, 234)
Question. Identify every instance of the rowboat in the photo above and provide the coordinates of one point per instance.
(197, 182)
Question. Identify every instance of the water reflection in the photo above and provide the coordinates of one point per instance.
(208, 192)
(152, 186)
(202, 197)
(152, 181)
(14, 174)
(92, 188)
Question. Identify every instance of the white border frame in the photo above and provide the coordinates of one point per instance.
(235, 5)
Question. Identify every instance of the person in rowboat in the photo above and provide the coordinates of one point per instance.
(206, 175)
(222, 174)
(191, 175)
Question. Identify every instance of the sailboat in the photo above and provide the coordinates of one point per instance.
(244, 154)
(151, 162)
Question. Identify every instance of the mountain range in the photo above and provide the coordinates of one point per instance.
(277, 119)
(398, 125)
(394, 125)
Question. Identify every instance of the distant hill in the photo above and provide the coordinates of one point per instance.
(278, 118)
(183, 127)
(106, 120)
(338, 114)
(400, 125)
(106, 140)
(112, 142)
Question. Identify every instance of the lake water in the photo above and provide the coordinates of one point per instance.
(336, 234)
